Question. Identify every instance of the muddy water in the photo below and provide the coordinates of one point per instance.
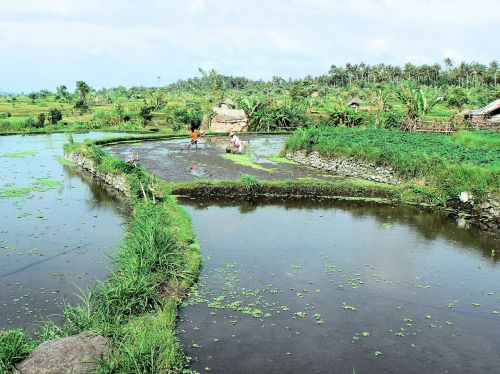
(170, 160)
(343, 287)
(58, 230)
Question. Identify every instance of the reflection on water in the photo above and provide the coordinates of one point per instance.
(58, 229)
(320, 287)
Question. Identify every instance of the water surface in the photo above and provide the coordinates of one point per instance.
(318, 287)
(58, 228)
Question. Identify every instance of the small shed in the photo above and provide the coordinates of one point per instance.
(487, 117)
(490, 110)
(227, 118)
(355, 102)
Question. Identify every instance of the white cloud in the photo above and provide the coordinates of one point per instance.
(259, 38)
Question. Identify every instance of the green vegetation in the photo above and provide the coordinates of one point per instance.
(18, 154)
(15, 192)
(485, 139)
(282, 160)
(14, 346)
(445, 166)
(388, 96)
(243, 159)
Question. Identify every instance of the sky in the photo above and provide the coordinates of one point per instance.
(107, 43)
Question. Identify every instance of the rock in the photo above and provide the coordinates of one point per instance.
(462, 223)
(465, 196)
(76, 354)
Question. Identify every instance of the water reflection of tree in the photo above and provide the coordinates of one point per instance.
(430, 224)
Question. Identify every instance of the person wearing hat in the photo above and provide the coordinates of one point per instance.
(235, 143)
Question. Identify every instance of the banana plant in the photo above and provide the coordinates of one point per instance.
(418, 101)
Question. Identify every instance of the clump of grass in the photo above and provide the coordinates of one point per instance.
(47, 183)
(14, 346)
(250, 182)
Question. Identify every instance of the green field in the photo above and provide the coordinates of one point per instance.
(447, 165)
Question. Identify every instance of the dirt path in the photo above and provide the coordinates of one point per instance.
(170, 160)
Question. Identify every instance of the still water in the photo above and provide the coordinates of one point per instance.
(58, 230)
(340, 287)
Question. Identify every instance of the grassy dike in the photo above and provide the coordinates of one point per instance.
(136, 306)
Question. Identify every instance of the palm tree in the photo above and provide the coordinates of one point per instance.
(448, 62)
(494, 71)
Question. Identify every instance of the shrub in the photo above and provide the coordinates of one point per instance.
(146, 114)
(81, 105)
(55, 115)
(40, 121)
(30, 122)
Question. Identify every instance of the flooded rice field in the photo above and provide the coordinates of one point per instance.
(340, 287)
(58, 230)
(170, 159)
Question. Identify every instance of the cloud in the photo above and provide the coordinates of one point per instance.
(127, 42)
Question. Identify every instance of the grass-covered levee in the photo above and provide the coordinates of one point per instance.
(136, 306)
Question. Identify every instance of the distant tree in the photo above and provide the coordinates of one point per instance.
(33, 96)
(493, 69)
(457, 98)
(44, 94)
(62, 93)
(40, 121)
(214, 83)
(417, 101)
(81, 105)
(55, 115)
(146, 114)
(448, 62)
(82, 89)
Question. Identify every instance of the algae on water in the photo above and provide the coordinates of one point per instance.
(18, 154)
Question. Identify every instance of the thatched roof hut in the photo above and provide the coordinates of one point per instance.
(226, 119)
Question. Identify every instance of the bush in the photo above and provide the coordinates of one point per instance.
(191, 118)
(55, 115)
(81, 105)
(30, 122)
(457, 98)
(146, 114)
(273, 116)
(40, 121)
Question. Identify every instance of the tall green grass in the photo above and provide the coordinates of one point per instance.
(485, 139)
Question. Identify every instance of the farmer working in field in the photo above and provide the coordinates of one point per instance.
(235, 143)
(194, 138)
